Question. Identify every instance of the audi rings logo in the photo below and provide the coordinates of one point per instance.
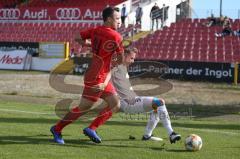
(9, 13)
(68, 13)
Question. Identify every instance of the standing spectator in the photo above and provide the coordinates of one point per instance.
(123, 14)
(163, 15)
(154, 15)
(139, 13)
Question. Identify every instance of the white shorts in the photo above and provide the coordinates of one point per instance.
(140, 104)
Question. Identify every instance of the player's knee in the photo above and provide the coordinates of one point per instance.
(162, 101)
(157, 102)
(115, 106)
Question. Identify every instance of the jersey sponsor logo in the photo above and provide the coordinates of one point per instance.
(68, 13)
(110, 46)
(7, 59)
(10, 13)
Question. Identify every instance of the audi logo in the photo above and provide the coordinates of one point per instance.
(68, 13)
(9, 13)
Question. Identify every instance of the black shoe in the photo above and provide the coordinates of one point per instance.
(174, 137)
(145, 138)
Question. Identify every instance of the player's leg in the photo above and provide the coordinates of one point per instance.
(112, 100)
(159, 106)
(71, 116)
(151, 125)
(102, 117)
(114, 104)
(148, 106)
(165, 119)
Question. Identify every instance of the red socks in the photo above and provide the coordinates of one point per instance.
(103, 116)
(70, 117)
(75, 113)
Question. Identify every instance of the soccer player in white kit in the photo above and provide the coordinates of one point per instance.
(131, 103)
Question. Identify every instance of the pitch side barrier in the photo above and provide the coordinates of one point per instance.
(43, 56)
(181, 70)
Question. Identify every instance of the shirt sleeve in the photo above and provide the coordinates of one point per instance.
(86, 34)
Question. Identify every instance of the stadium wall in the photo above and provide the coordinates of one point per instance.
(41, 64)
(32, 56)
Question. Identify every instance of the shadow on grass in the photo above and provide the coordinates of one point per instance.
(177, 150)
(123, 123)
(35, 140)
(83, 143)
(80, 143)
(6, 140)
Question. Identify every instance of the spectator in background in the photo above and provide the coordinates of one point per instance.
(154, 15)
(211, 21)
(163, 15)
(139, 13)
(123, 14)
(227, 29)
(237, 33)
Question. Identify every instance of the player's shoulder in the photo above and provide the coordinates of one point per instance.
(109, 31)
(87, 30)
(115, 35)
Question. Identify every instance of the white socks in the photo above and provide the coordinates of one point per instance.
(165, 119)
(152, 123)
(162, 114)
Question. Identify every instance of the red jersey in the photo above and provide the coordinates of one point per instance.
(105, 42)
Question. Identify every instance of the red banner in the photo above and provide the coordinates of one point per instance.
(83, 13)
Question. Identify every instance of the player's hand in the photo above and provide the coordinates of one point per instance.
(117, 59)
(98, 88)
(87, 43)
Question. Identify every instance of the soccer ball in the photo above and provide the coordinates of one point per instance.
(193, 142)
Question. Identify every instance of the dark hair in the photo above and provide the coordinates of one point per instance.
(108, 12)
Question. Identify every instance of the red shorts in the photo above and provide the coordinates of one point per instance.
(88, 93)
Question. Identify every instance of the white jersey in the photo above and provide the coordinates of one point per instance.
(120, 80)
(130, 102)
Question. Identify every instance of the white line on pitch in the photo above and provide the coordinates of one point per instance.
(212, 131)
(27, 112)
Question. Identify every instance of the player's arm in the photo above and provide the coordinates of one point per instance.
(83, 38)
(82, 42)
(117, 59)
(118, 55)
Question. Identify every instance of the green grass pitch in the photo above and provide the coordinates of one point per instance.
(24, 133)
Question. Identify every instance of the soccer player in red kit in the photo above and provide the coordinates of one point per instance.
(106, 44)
